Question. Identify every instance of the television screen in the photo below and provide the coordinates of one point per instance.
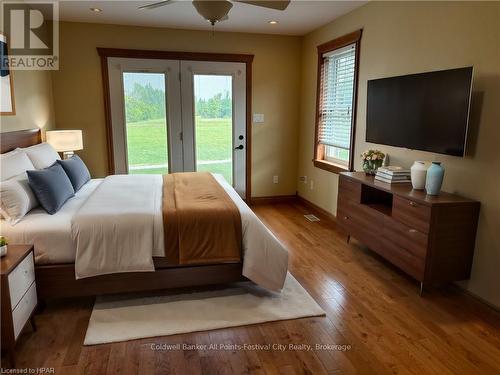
(426, 111)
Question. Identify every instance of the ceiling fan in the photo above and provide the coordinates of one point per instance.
(217, 10)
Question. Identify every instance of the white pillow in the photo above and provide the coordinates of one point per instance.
(13, 164)
(42, 155)
(16, 198)
(10, 153)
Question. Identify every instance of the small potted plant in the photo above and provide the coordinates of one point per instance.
(3, 246)
(372, 160)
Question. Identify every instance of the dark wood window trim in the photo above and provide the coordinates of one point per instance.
(329, 166)
(105, 53)
(319, 149)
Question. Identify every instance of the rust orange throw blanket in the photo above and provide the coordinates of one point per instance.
(201, 223)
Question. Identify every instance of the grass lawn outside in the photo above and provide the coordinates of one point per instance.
(147, 146)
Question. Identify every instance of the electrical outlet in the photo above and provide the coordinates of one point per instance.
(303, 179)
(311, 184)
(275, 179)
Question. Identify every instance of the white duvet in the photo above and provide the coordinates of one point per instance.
(114, 230)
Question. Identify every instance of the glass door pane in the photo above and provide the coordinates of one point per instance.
(214, 124)
(146, 124)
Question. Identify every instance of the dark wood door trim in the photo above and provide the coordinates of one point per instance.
(107, 114)
(106, 53)
(174, 55)
(248, 144)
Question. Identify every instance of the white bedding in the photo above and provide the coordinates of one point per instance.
(265, 260)
(51, 234)
(114, 230)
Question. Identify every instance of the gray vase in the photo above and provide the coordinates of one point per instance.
(434, 179)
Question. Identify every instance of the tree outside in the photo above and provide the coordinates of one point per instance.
(147, 145)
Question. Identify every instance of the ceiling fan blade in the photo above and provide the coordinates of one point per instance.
(278, 4)
(156, 5)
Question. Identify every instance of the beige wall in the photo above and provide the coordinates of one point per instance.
(407, 37)
(398, 38)
(78, 94)
(33, 101)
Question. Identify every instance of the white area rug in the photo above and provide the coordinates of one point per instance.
(119, 318)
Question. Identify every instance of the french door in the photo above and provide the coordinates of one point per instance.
(214, 119)
(174, 116)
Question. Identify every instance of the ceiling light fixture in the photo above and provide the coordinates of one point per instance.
(97, 10)
(273, 22)
(213, 11)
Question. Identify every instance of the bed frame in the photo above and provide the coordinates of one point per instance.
(58, 280)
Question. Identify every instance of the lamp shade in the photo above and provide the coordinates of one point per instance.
(65, 140)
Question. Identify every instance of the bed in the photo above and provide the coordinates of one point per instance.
(263, 259)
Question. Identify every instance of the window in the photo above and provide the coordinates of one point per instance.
(336, 103)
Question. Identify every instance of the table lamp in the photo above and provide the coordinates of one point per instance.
(65, 141)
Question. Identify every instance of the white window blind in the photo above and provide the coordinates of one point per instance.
(337, 87)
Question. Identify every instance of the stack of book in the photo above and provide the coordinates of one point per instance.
(393, 175)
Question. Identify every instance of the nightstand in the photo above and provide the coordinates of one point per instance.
(19, 298)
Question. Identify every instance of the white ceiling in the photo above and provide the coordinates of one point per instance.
(301, 16)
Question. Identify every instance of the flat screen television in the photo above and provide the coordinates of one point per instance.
(425, 111)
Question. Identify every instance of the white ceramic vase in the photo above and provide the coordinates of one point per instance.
(418, 175)
(3, 250)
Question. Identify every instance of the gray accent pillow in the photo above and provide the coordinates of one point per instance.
(76, 170)
(51, 186)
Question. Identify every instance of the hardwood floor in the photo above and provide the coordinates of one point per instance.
(370, 306)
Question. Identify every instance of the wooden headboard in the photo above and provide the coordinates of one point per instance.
(20, 138)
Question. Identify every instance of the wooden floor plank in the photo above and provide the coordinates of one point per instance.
(371, 307)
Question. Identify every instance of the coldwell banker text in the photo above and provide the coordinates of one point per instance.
(252, 347)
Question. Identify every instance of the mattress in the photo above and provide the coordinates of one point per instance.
(51, 234)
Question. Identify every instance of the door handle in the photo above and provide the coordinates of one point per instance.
(240, 147)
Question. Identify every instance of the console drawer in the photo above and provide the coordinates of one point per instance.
(402, 258)
(363, 213)
(349, 189)
(358, 221)
(359, 230)
(407, 237)
(360, 225)
(411, 213)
